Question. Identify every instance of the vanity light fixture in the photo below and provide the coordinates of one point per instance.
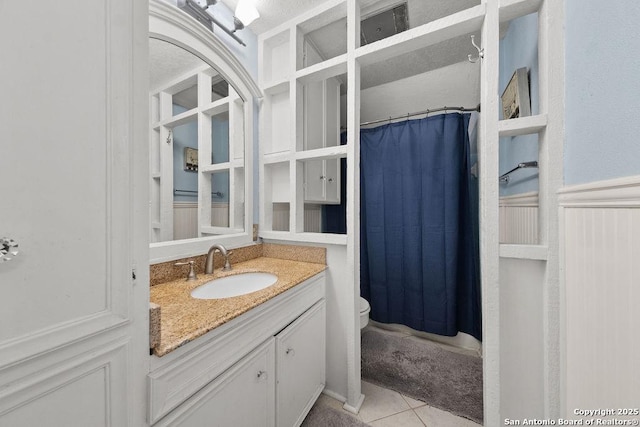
(245, 14)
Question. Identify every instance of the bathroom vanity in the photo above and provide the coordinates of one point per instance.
(252, 360)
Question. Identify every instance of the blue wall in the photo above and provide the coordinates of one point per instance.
(187, 136)
(220, 153)
(519, 48)
(602, 89)
(184, 136)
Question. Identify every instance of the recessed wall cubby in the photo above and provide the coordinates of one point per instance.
(276, 58)
(321, 37)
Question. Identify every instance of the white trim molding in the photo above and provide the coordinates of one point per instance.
(621, 192)
(523, 199)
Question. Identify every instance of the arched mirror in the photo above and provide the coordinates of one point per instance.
(201, 137)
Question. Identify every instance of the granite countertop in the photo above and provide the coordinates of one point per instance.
(184, 318)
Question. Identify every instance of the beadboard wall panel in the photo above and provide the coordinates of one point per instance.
(312, 217)
(600, 228)
(185, 218)
(519, 219)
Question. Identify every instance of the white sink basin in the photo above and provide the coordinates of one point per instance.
(233, 286)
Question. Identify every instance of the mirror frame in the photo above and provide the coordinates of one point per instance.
(168, 23)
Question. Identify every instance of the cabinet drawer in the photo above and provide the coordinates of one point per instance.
(241, 397)
(300, 366)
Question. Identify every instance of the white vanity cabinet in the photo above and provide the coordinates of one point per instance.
(263, 368)
(300, 366)
(241, 397)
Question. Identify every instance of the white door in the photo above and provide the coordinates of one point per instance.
(73, 185)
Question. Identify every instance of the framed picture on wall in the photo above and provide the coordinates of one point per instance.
(515, 98)
(190, 159)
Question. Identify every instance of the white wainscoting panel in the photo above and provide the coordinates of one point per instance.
(280, 217)
(185, 218)
(519, 219)
(521, 338)
(220, 214)
(89, 389)
(312, 218)
(600, 243)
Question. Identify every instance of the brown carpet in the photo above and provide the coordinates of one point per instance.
(425, 371)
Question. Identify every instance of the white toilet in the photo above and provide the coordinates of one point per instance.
(365, 308)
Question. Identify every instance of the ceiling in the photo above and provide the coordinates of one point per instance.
(330, 39)
(168, 62)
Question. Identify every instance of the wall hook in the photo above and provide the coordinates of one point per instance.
(480, 51)
(8, 249)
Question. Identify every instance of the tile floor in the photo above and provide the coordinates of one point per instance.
(388, 408)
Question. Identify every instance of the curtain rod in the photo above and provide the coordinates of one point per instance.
(419, 113)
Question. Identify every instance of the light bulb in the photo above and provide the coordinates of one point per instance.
(246, 12)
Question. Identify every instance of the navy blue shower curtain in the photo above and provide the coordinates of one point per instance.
(419, 242)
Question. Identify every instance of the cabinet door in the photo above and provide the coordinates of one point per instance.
(241, 397)
(73, 303)
(313, 115)
(314, 181)
(300, 366)
(322, 129)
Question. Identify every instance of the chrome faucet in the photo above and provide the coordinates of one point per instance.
(208, 265)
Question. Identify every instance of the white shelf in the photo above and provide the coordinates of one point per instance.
(512, 9)
(279, 157)
(220, 230)
(182, 118)
(323, 70)
(276, 87)
(536, 252)
(217, 107)
(522, 126)
(215, 167)
(327, 238)
(457, 24)
(334, 152)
